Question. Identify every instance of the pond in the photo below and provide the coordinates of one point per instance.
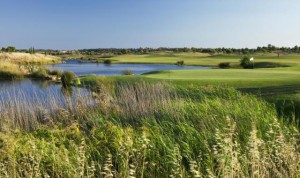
(28, 91)
(27, 103)
(81, 68)
(31, 91)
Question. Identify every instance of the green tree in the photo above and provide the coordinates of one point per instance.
(271, 48)
(10, 49)
(31, 50)
(296, 49)
(246, 63)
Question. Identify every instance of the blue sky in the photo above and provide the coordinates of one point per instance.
(77, 24)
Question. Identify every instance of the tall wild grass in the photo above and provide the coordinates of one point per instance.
(10, 70)
(27, 58)
(141, 129)
(17, 65)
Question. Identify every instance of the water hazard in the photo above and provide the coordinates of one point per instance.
(82, 68)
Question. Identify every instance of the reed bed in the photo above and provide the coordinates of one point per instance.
(10, 70)
(16, 65)
(17, 57)
(147, 130)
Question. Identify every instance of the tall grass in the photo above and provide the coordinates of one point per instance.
(26, 58)
(9, 70)
(147, 130)
(17, 65)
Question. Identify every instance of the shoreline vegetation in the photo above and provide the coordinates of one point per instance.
(15, 65)
(147, 129)
(178, 123)
(27, 58)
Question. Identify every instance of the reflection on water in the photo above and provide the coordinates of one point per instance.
(81, 69)
(25, 104)
(33, 91)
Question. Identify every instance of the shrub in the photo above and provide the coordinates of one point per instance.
(67, 78)
(107, 61)
(127, 72)
(77, 81)
(224, 65)
(56, 72)
(41, 73)
(180, 63)
(246, 63)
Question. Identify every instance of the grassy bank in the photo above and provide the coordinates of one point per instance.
(15, 66)
(11, 71)
(141, 129)
(26, 58)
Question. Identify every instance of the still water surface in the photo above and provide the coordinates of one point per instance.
(42, 90)
(32, 91)
(81, 69)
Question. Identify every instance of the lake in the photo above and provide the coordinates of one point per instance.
(81, 68)
(30, 98)
(30, 91)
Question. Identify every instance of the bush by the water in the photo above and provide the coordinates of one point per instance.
(180, 63)
(127, 72)
(107, 61)
(67, 78)
(141, 129)
(224, 65)
(41, 73)
(246, 63)
(58, 73)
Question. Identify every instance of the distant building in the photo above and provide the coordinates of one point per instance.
(63, 51)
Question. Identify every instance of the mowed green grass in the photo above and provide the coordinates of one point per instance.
(163, 58)
(204, 59)
(240, 78)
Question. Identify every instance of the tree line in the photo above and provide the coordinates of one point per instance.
(240, 51)
(120, 51)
